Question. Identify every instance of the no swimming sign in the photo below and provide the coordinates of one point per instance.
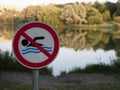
(35, 45)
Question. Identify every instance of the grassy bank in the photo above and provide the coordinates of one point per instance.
(98, 27)
(105, 26)
(11, 86)
(9, 63)
(113, 68)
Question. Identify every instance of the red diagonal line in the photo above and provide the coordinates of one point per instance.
(36, 44)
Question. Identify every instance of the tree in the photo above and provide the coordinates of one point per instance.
(91, 11)
(30, 13)
(67, 14)
(50, 15)
(111, 7)
(101, 7)
(117, 13)
(106, 15)
(73, 14)
(96, 4)
(93, 15)
(9, 16)
(95, 20)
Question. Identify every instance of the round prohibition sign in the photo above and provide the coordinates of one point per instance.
(35, 55)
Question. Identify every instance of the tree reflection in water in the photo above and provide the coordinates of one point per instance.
(78, 47)
(85, 39)
(73, 39)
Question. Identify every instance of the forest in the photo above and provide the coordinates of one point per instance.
(65, 14)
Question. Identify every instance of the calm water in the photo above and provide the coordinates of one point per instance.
(78, 47)
(68, 58)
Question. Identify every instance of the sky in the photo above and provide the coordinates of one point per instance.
(25, 3)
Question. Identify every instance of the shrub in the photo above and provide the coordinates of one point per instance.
(63, 73)
(94, 68)
(97, 68)
(9, 63)
(116, 65)
(95, 20)
(106, 15)
(76, 70)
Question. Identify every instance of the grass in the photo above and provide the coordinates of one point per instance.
(94, 68)
(113, 68)
(13, 86)
(91, 87)
(105, 26)
(9, 63)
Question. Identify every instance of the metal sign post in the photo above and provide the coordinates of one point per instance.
(35, 79)
(35, 45)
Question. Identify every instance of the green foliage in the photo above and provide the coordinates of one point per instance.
(114, 67)
(101, 7)
(63, 73)
(117, 13)
(93, 15)
(46, 71)
(94, 68)
(30, 13)
(56, 15)
(111, 7)
(50, 15)
(97, 68)
(8, 16)
(76, 70)
(95, 20)
(9, 63)
(91, 11)
(106, 15)
(12, 86)
(73, 14)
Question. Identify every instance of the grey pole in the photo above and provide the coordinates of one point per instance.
(35, 79)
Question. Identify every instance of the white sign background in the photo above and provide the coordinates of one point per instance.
(47, 41)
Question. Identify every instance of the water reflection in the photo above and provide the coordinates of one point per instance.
(6, 33)
(77, 39)
(78, 47)
(73, 39)
(6, 46)
(68, 59)
(81, 39)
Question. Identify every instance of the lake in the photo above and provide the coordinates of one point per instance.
(78, 47)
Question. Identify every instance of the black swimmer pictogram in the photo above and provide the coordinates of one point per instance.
(30, 48)
(25, 42)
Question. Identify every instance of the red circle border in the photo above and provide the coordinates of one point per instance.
(25, 62)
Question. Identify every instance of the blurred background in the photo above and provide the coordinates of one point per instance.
(89, 33)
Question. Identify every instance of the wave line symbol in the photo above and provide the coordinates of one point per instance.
(35, 50)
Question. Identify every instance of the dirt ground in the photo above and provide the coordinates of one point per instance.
(70, 79)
